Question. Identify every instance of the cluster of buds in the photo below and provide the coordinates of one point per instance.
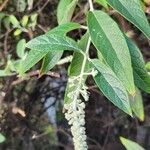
(75, 113)
(76, 118)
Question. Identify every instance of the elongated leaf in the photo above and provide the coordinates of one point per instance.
(53, 57)
(111, 86)
(64, 14)
(141, 77)
(137, 105)
(52, 42)
(14, 21)
(21, 48)
(130, 145)
(133, 11)
(65, 10)
(41, 45)
(75, 66)
(50, 61)
(109, 40)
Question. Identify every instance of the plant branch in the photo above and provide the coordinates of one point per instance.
(91, 5)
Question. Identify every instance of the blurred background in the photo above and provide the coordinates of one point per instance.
(31, 115)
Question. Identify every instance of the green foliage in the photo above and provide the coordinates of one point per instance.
(75, 67)
(111, 86)
(116, 55)
(2, 138)
(147, 66)
(137, 105)
(53, 57)
(130, 145)
(65, 10)
(45, 43)
(119, 69)
(132, 11)
(141, 76)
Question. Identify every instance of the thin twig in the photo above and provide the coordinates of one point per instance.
(3, 5)
(35, 73)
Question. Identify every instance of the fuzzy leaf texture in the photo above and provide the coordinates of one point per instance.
(64, 14)
(53, 57)
(43, 44)
(75, 67)
(141, 76)
(111, 86)
(130, 145)
(132, 10)
(110, 42)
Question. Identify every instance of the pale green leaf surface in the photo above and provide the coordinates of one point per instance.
(141, 77)
(2, 138)
(132, 11)
(137, 105)
(147, 65)
(65, 10)
(130, 145)
(21, 48)
(14, 21)
(109, 40)
(111, 86)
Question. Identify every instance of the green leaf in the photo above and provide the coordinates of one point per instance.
(132, 11)
(141, 77)
(103, 3)
(50, 61)
(41, 45)
(75, 66)
(63, 29)
(21, 48)
(109, 40)
(111, 86)
(130, 145)
(147, 66)
(24, 20)
(33, 22)
(2, 138)
(3, 73)
(137, 105)
(53, 57)
(14, 21)
(52, 42)
(65, 10)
